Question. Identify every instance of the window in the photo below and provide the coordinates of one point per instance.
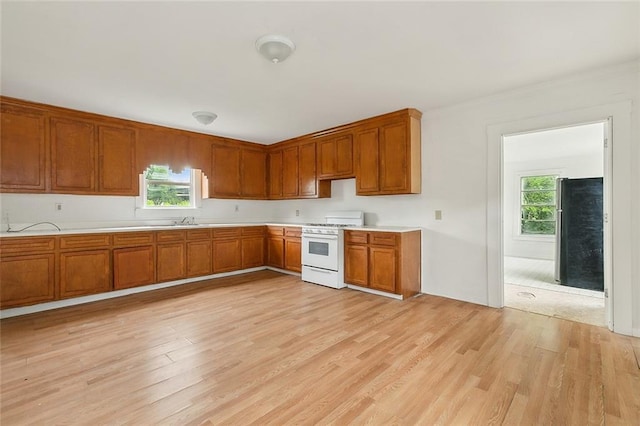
(538, 205)
(165, 189)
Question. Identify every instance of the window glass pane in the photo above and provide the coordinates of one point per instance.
(538, 205)
(164, 188)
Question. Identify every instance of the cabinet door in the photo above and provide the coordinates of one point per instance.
(394, 155)
(116, 147)
(290, 172)
(275, 252)
(367, 162)
(292, 253)
(27, 280)
(170, 261)
(254, 174)
(225, 171)
(73, 157)
(275, 174)
(133, 267)
(307, 170)
(335, 158)
(356, 265)
(23, 147)
(227, 255)
(84, 272)
(199, 258)
(252, 252)
(382, 268)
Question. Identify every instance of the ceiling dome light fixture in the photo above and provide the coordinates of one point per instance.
(204, 117)
(275, 48)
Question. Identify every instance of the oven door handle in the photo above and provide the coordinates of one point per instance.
(320, 237)
(324, 271)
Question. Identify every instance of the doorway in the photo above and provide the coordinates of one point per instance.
(538, 250)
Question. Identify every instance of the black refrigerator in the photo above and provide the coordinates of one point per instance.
(579, 233)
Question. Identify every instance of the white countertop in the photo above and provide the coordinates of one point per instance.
(141, 228)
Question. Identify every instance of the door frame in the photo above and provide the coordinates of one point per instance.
(618, 118)
(606, 203)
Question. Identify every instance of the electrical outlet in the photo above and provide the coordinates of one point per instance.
(237, 208)
(58, 207)
(438, 214)
(297, 212)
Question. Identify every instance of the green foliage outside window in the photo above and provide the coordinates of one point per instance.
(538, 205)
(167, 189)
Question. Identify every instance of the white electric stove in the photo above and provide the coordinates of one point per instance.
(323, 248)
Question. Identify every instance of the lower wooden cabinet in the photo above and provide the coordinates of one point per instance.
(284, 248)
(170, 261)
(227, 256)
(384, 261)
(199, 258)
(133, 267)
(252, 252)
(26, 280)
(85, 272)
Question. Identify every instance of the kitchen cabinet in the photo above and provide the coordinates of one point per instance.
(85, 265)
(199, 252)
(133, 259)
(224, 181)
(162, 146)
(383, 261)
(27, 271)
(253, 244)
(284, 248)
(292, 249)
(227, 253)
(299, 177)
(290, 183)
(23, 149)
(117, 160)
(170, 256)
(238, 172)
(275, 171)
(387, 155)
(73, 156)
(335, 157)
(275, 246)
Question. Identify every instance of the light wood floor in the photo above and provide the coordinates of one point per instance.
(265, 348)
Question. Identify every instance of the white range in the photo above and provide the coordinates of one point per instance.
(323, 248)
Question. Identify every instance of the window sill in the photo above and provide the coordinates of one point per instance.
(536, 238)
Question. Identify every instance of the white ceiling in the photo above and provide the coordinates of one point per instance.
(159, 61)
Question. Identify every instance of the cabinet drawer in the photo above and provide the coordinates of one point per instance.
(275, 231)
(226, 233)
(383, 238)
(132, 238)
(292, 232)
(9, 246)
(168, 236)
(253, 231)
(85, 241)
(355, 237)
(198, 234)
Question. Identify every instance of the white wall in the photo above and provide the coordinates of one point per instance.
(521, 159)
(459, 165)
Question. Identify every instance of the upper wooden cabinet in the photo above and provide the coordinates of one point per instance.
(297, 173)
(253, 173)
(335, 157)
(224, 181)
(238, 172)
(117, 160)
(387, 155)
(23, 150)
(73, 156)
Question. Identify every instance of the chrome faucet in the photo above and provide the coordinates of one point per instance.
(187, 220)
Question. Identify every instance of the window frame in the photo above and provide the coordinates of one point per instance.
(517, 206)
(197, 193)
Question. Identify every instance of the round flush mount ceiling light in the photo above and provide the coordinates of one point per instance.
(204, 117)
(275, 48)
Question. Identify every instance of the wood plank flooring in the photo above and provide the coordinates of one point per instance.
(266, 348)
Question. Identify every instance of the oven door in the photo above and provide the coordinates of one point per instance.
(320, 251)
